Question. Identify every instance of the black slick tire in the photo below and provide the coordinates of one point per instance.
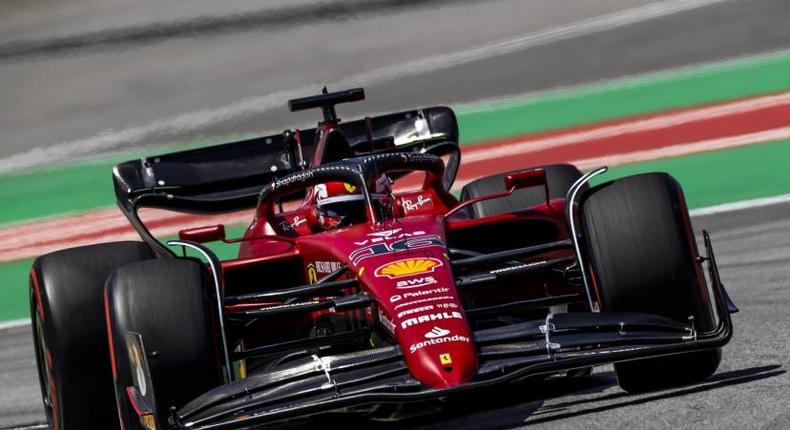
(69, 334)
(167, 303)
(641, 249)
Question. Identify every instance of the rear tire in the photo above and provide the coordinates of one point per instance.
(167, 302)
(642, 254)
(69, 335)
(559, 177)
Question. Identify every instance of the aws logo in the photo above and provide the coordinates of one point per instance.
(408, 267)
(423, 281)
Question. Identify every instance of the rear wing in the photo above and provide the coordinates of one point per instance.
(229, 176)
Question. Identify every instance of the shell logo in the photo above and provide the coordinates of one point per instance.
(408, 267)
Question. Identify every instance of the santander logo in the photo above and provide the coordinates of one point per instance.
(438, 340)
(436, 332)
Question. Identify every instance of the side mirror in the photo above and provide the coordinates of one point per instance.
(210, 233)
(526, 179)
(513, 181)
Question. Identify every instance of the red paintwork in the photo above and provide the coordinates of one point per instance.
(423, 202)
(422, 310)
(551, 212)
(527, 178)
(444, 306)
(203, 234)
(479, 199)
(438, 302)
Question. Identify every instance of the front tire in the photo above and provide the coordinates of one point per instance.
(69, 335)
(167, 303)
(642, 254)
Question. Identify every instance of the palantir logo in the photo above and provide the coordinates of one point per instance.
(436, 332)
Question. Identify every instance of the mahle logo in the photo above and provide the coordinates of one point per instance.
(431, 317)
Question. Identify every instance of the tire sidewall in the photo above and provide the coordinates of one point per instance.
(182, 355)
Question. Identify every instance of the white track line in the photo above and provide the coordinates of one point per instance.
(7, 325)
(738, 206)
(29, 427)
(256, 105)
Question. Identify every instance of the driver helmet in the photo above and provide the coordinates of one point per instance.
(340, 204)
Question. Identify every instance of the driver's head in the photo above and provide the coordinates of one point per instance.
(339, 204)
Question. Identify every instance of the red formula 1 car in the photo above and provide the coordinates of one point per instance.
(359, 289)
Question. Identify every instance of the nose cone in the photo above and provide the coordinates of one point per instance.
(420, 305)
(441, 355)
(408, 271)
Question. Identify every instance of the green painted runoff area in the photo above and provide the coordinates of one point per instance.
(75, 188)
(708, 179)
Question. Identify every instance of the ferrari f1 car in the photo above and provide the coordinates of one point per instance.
(364, 286)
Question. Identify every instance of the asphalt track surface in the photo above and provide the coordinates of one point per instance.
(118, 76)
(750, 390)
